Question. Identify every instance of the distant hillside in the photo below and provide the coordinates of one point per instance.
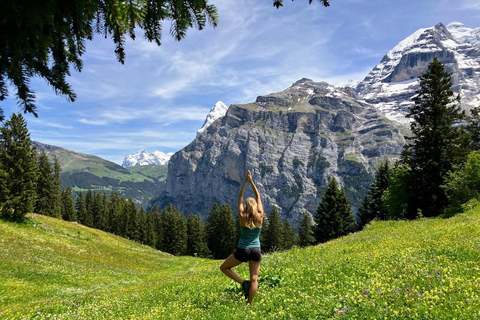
(82, 172)
(424, 269)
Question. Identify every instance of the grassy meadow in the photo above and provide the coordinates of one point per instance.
(424, 269)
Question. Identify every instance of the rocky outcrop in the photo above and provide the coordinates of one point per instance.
(293, 142)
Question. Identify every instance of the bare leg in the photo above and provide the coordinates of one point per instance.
(227, 266)
(254, 267)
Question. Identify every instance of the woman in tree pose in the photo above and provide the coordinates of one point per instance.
(248, 249)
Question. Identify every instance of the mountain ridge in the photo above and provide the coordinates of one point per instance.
(276, 137)
(393, 81)
(81, 172)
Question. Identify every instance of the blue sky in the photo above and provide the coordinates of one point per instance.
(161, 96)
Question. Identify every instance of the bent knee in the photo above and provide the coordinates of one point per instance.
(223, 268)
(254, 278)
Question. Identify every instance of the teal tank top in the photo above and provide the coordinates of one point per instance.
(249, 238)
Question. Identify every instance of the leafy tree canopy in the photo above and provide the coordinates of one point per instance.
(45, 38)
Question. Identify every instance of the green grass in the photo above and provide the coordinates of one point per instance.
(151, 172)
(51, 269)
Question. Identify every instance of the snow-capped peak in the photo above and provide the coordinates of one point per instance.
(218, 111)
(143, 158)
(463, 33)
(395, 78)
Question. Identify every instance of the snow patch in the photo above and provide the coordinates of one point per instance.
(143, 158)
(219, 110)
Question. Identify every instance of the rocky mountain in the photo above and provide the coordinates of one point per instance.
(143, 158)
(293, 142)
(392, 83)
(218, 111)
(83, 171)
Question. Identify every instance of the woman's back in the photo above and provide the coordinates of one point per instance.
(249, 238)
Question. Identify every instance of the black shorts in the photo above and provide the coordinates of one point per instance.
(244, 255)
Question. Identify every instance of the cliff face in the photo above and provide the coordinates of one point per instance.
(293, 142)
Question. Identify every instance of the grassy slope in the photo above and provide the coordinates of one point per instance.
(82, 172)
(72, 161)
(391, 270)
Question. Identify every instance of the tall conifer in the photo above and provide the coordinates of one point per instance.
(372, 205)
(174, 230)
(113, 212)
(80, 208)
(289, 236)
(196, 237)
(68, 205)
(100, 219)
(150, 236)
(221, 231)
(305, 232)
(132, 227)
(19, 169)
(274, 235)
(437, 142)
(154, 213)
(57, 188)
(473, 127)
(45, 185)
(334, 216)
(88, 218)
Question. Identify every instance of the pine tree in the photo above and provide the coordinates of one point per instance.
(122, 223)
(334, 216)
(106, 212)
(473, 127)
(196, 237)
(221, 231)
(346, 215)
(157, 226)
(88, 218)
(174, 231)
(57, 189)
(395, 198)
(436, 144)
(4, 192)
(264, 233)
(80, 208)
(238, 229)
(305, 232)
(274, 236)
(45, 194)
(372, 205)
(289, 236)
(99, 211)
(68, 206)
(114, 210)
(150, 236)
(132, 228)
(142, 225)
(19, 169)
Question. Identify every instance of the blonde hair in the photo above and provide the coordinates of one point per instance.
(251, 217)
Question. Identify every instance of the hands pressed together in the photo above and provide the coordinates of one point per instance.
(248, 177)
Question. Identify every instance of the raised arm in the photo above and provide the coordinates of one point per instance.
(240, 197)
(257, 194)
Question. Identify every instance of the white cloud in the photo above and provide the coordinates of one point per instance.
(49, 124)
(469, 5)
(93, 122)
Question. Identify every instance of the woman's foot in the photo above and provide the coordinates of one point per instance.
(246, 288)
